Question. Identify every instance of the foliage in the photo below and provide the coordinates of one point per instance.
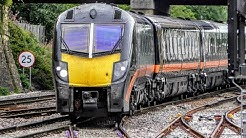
(215, 13)
(125, 7)
(4, 91)
(24, 80)
(6, 2)
(21, 40)
(182, 11)
(44, 14)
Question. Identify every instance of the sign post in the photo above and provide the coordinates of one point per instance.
(26, 59)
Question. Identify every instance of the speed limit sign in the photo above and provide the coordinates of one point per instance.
(26, 59)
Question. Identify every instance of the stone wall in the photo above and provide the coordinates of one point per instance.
(9, 76)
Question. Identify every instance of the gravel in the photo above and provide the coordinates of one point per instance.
(26, 95)
(151, 124)
(49, 103)
(89, 133)
(33, 130)
(237, 118)
(178, 133)
(206, 126)
(8, 122)
(146, 125)
(227, 133)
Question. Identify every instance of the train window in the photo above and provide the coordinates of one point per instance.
(193, 47)
(175, 45)
(179, 48)
(166, 45)
(212, 43)
(188, 45)
(218, 43)
(180, 45)
(181, 42)
(163, 44)
(76, 37)
(205, 45)
(224, 44)
(196, 45)
(169, 46)
(145, 43)
(107, 37)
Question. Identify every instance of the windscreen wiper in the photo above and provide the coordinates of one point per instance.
(116, 45)
(66, 46)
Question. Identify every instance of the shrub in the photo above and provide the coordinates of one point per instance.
(6, 2)
(24, 80)
(4, 91)
(21, 40)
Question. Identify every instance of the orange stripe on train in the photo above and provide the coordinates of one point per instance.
(149, 69)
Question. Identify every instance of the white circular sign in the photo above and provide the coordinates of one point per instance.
(26, 59)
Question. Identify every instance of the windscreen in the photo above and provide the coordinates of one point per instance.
(107, 37)
(76, 37)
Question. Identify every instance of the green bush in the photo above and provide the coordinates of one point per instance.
(6, 2)
(21, 40)
(125, 7)
(4, 91)
(24, 80)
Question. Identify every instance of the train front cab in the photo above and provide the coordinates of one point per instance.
(91, 58)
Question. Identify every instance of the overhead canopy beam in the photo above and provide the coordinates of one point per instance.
(171, 2)
(73, 1)
(236, 35)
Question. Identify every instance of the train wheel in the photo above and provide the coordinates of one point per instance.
(73, 118)
(116, 126)
(181, 97)
(131, 112)
(149, 104)
(154, 103)
(140, 108)
(133, 106)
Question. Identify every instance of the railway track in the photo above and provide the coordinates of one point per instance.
(122, 132)
(229, 115)
(68, 128)
(46, 127)
(225, 122)
(181, 121)
(10, 131)
(28, 112)
(11, 104)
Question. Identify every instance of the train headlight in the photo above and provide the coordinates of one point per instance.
(61, 70)
(63, 73)
(119, 69)
(58, 68)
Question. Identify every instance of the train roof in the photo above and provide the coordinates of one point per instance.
(94, 12)
(177, 23)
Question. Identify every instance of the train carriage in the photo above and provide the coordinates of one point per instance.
(108, 61)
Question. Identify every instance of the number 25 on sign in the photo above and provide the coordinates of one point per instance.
(26, 59)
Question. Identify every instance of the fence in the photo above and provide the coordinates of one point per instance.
(37, 30)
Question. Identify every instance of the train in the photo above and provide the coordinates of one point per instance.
(107, 61)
